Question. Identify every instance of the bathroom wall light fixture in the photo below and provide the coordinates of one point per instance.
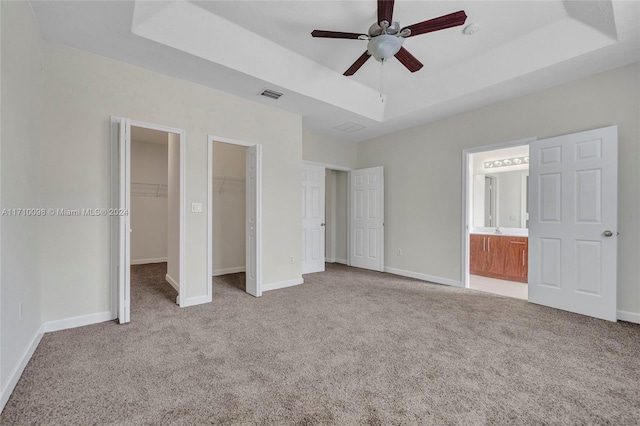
(514, 161)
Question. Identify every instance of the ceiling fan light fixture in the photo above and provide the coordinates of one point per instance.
(384, 46)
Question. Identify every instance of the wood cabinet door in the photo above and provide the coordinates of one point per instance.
(476, 253)
(516, 258)
(496, 253)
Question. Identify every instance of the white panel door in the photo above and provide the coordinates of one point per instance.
(253, 221)
(367, 218)
(313, 215)
(124, 260)
(573, 222)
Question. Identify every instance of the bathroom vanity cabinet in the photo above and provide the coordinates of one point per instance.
(499, 256)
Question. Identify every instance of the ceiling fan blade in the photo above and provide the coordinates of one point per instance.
(436, 24)
(334, 34)
(408, 60)
(357, 64)
(385, 10)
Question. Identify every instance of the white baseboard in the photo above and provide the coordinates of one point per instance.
(192, 301)
(423, 277)
(341, 261)
(173, 283)
(74, 322)
(629, 316)
(17, 372)
(145, 261)
(282, 284)
(226, 271)
(335, 260)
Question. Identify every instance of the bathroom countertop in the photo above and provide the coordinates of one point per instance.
(508, 232)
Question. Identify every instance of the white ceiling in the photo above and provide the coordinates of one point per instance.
(241, 47)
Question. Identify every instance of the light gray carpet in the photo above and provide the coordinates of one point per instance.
(347, 347)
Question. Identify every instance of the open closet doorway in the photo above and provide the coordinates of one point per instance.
(235, 194)
(498, 208)
(147, 215)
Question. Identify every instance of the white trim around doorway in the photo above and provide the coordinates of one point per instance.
(115, 169)
(210, 271)
(466, 185)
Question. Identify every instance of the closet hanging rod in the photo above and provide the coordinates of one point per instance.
(235, 179)
(225, 179)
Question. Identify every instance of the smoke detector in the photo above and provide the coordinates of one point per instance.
(471, 29)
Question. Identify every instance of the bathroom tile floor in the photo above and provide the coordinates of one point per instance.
(501, 287)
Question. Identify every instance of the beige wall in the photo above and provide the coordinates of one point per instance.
(328, 150)
(423, 176)
(22, 89)
(149, 165)
(83, 90)
(229, 201)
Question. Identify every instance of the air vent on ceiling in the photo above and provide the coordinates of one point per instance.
(349, 127)
(272, 94)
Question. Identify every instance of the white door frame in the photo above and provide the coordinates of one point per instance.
(115, 202)
(467, 184)
(210, 140)
(329, 166)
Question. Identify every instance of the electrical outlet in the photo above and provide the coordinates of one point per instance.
(399, 252)
(196, 207)
(291, 259)
(20, 311)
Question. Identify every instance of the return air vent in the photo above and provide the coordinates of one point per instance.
(349, 127)
(272, 94)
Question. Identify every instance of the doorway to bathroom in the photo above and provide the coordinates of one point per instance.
(566, 243)
(498, 205)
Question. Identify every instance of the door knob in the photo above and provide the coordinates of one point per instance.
(322, 224)
(607, 233)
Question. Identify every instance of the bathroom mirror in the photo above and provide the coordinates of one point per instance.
(500, 199)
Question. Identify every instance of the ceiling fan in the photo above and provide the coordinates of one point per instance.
(386, 36)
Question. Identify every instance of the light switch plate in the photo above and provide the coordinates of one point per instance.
(196, 207)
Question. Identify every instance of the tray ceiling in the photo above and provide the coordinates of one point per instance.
(242, 47)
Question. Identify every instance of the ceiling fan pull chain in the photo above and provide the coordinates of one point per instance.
(381, 80)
